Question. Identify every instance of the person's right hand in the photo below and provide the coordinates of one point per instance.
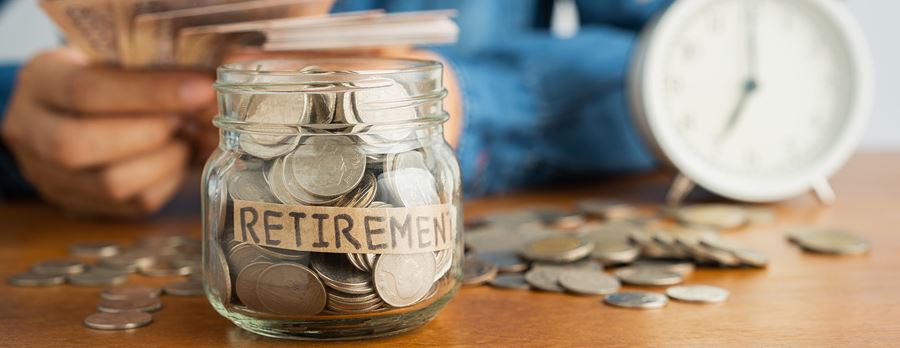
(100, 140)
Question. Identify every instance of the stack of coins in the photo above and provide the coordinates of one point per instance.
(105, 264)
(332, 165)
(552, 250)
(102, 264)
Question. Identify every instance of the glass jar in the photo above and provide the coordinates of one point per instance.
(332, 204)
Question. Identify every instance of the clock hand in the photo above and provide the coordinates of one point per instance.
(752, 54)
(750, 85)
(749, 88)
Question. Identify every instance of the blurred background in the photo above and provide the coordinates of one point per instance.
(877, 18)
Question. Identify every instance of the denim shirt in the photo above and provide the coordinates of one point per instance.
(537, 109)
(540, 109)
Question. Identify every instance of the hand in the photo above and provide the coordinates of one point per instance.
(99, 140)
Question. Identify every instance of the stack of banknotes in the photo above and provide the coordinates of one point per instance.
(199, 33)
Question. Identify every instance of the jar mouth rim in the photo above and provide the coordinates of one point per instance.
(293, 66)
(327, 129)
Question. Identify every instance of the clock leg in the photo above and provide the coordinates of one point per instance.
(823, 190)
(681, 186)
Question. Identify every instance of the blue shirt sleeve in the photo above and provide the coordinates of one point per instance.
(12, 184)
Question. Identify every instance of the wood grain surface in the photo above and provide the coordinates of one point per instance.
(801, 299)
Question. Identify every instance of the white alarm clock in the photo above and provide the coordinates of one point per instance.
(755, 100)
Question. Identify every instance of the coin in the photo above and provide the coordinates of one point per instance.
(59, 267)
(128, 261)
(714, 215)
(292, 289)
(558, 249)
(326, 166)
(163, 267)
(34, 280)
(96, 277)
(246, 283)
(510, 281)
(683, 268)
(184, 288)
(127, 305)
(94, 249)
(637, 299)
(587, 282)
(830, 241)
(477, 271)
(648, 276)
(337, 270)
(118, 321)
(607, 209)
(249, 185)
(546, 279)
(403, 280)
(242, 255)
(505, 262)
(698, 293)
(124, 292)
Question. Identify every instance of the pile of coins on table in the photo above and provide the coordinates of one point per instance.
(558, 251)
(376, 169)
(104, 264)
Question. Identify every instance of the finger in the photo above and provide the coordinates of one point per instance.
(81, 206)
(117, 183)
(154, 198)
(75, 143)
(64, 81)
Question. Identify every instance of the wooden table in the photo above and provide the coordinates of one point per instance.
(799, 300)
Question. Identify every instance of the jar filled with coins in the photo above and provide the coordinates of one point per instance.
(332, 204)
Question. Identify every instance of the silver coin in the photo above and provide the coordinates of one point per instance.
(326, 166)
(403, 280)
(698, 293)
(35, 280)
(743, 255)
(276, 180)
(637, 299)
(129, 261)
(510, 281)
(97, 277)
(505, 262)
(249, 185)
(683, 268)
(334, 269)
(362, 195)
(607, 209)
(125, 292)
(714, 215)
(218, 276)
(546, 279)
(301, 257)
(246, 283)
(118, 321)
(477, 271)
(291, 289)
(184, 288)
(558, 249)
(164, 267)
(128, 305)
(371, 97)
(243, 255)
(830, 241)
(263, 151)
(94, 249)
(59, 267)
(648, 276)
(588, 282)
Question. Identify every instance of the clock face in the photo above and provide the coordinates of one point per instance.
(755, 99)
